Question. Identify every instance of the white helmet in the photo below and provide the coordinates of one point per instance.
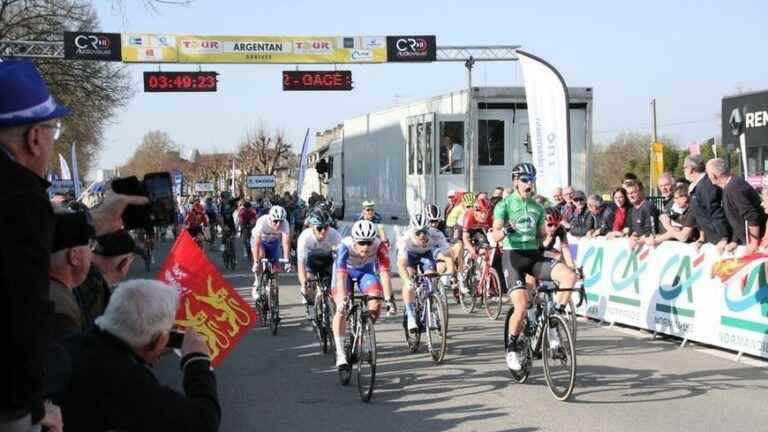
(419, 221)
(364, 230)
(277, 213)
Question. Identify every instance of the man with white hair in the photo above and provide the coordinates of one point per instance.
(112, 385)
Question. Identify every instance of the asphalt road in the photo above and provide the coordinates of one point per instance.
(625, 382)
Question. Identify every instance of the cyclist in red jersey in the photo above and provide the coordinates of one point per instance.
(474, 224)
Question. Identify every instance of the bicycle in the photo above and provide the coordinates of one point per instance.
(431, 317)
(360, 343)
(554, 345)
(228, 252)
(269, 304)
(245, 236)
(486, 287)
(323, 310)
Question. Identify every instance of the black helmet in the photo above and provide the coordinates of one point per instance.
(319, 217)
(524, 168)
(433, 213)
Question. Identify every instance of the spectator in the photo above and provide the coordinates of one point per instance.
(568, 207)
(111, 261)
(678, 222)
(596, 215)
(29, 127)
(557, 198)
(70, 261)
(644, 217)
(764, 204)
(498, 192)
(577, 223)
(706, 203)
(616, 218)
(507, 192)
(627, 177)
(666, 184)
(741, 203)
(454, 152)
(112, 385)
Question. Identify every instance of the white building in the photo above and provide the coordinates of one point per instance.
(399, 156)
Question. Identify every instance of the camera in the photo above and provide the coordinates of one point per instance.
(161, 209)
(175, 339)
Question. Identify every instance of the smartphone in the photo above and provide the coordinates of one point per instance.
(133, 216)
(175, 339)
(159, 189)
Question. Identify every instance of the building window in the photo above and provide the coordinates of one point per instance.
(330, 167)
(451, 147)
(410, 150)
(491, 142)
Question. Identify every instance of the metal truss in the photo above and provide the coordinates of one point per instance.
(31, 49)
(477, 53)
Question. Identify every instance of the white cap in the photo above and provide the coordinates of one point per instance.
(451, 193)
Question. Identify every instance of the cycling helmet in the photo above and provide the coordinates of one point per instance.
(433, 213)
(369, 204)
(552, 216)
(482, 204)
(318, 218)
(277, 213)
(419, 221)
(524, 168)
(265, 203)
(364, 230)
(468, 199)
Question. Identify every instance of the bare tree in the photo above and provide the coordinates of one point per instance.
(261, 152)
(95, 90)
(155, 153)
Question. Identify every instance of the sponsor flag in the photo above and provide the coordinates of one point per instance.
(65, 174)
(726, 269)
(548, 120)
(75, 171)
(207, 302)
(302, 164)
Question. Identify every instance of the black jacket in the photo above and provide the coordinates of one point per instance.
(579, 222)
(741, 202)
(707, 208)
(27, 222)
(112, 389)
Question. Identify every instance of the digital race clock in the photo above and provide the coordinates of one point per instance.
(317, 80)
(180, 81)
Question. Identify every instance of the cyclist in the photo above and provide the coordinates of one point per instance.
(435, 218)
(421, 245)
(519, 221)
(212, 213)
(358, 257)
(474, 224)
(555, 248)
(246, 220)
(314, 251)
(271, 239)
(195, 221)
(369, 213)
(466, 202)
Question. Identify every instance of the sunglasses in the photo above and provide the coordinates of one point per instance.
(552, 225)
(578, 199)
(421, 232)
(365, 242)
(321, 227)
(527, 179)
(369, 209)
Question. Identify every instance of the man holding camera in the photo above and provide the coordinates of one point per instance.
(29, 127)
(112, 385)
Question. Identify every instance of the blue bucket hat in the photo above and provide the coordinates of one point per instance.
(24, 96)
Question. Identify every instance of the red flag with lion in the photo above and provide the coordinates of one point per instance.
(207, 302)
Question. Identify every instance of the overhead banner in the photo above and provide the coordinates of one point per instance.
(677, 290)
(149, 48)
(92, 46)
(548, 119)
(411, 48)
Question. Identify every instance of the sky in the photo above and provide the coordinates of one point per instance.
(685, 54)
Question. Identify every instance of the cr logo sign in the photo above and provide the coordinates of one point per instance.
(92, 41)
(411, 45)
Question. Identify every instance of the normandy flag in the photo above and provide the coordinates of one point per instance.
(207, 302)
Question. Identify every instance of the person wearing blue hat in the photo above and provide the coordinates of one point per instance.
(30, 124)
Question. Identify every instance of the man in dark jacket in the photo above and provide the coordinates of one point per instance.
(706, 203)
(577, 222)
(644, 217)
(28, 130)
(741, 203)
(112, 385)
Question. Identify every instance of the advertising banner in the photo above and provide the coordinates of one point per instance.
(411, 48)
(260, 181)
(149, 48)
(674, 289)
(203, 187)
(548, 120)
(92, 46)
(207, 301)
(281, 49)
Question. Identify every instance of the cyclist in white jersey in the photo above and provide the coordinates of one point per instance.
(270, 239)
(314, 249)
(421, 245)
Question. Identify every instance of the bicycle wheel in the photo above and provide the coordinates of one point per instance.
(492, 295)
(412, 339)
(467, 300)
(520, 376)
(274, 305)
(262, 303)
(437, 328)
(345, 374)
(559, 358)
(366, 360)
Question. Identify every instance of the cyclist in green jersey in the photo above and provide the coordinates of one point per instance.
(519, 221)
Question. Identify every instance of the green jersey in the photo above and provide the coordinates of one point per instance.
(527, 216)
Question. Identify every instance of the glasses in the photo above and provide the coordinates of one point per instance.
(527, 179)
(276, 221)
(578, 200)
(420, 232)
(321, 227)
(435, 221)
(365, 242)
(552, 225)
(57, 127)
(369, 209)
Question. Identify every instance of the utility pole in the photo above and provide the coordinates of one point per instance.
(469, 147)
(653, 142)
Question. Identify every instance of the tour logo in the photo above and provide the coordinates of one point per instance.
(411, 48)
(92, 46)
